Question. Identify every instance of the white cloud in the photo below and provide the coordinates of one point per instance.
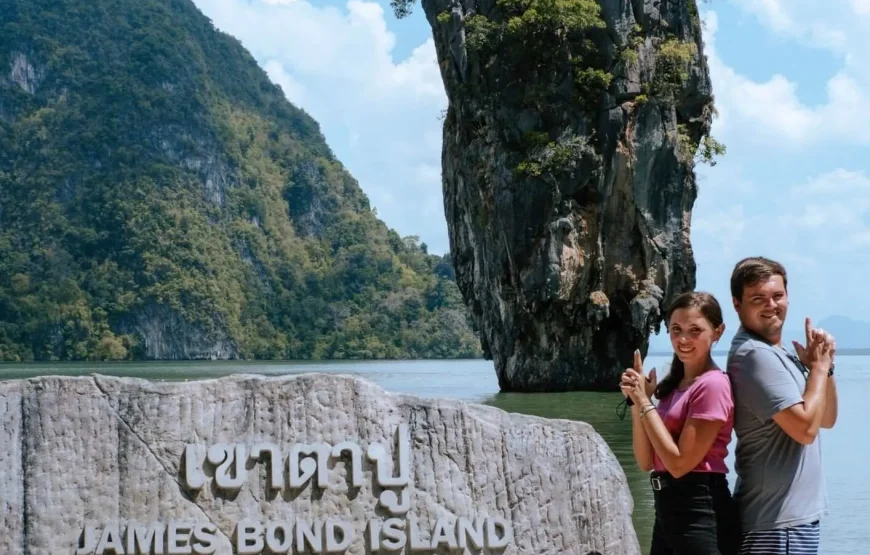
(836, 181)
(380, 115)
(827, 214)
(799, 19)
(771, 111)
(427, 173)
(861, 7)
(725, 227)
(771, 12)
(292, 89)
(835, 208)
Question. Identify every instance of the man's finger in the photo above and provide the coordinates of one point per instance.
(808, 328)
(799, 349)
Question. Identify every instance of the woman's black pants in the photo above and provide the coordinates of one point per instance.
(695, 515)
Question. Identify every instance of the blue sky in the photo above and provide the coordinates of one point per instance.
(791, 79)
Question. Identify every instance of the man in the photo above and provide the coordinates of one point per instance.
(781, 401)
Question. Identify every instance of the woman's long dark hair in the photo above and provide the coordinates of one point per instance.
(712, 312)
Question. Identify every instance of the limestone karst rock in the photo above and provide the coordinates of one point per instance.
(161, 199)
(85, 455)
(568, 171)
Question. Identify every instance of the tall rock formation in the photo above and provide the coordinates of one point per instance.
(568, 155)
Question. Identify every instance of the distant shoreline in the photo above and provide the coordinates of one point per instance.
(8, 363)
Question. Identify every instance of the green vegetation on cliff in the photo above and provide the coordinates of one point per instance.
(534, 38)
(159, 197)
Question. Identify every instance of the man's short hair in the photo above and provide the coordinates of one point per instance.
(752, 270)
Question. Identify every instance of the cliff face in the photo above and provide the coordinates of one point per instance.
(160, 198)
(568, 157)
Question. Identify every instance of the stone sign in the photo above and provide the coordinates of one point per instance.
(301, 464)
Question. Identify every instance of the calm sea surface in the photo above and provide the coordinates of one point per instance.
(846, 448)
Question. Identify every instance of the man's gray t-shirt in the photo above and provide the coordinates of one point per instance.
(779, 481)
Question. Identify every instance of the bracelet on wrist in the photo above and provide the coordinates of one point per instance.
(646, 409)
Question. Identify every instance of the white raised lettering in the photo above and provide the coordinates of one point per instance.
(193, 476)
(389, 499)
(332, 543)
(250, 537)
(311, 534)
(110, 541)
(177, 537)
(394, 537)
(417, 542)
(355, 470)
(443, 533)
(205, 536)
(145, 538)
(302, 471)
(374, 535)
(224, 456)
(276, 463)
(378, 454)
(474, 532)
(88, 542)
(494, 540)
(280, 544)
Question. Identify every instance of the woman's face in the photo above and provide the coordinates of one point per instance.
(692, 335)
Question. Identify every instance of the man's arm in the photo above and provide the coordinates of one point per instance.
(767, 387)
(802, 421)
(830, 416)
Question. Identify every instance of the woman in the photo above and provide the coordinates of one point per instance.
(684, 439)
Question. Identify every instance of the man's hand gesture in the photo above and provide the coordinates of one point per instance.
(818, 355)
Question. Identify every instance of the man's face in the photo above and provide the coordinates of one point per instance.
(763, 308)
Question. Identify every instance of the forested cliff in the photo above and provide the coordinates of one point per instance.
(160, 198)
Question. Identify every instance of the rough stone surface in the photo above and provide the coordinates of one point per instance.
(97, 450)
(567, 275)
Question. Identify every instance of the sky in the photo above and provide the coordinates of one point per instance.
(791, 80)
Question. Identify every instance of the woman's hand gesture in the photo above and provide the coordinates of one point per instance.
(635, 385)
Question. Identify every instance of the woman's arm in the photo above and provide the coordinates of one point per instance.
(643, 450)
(709, 408)
(695, 440)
